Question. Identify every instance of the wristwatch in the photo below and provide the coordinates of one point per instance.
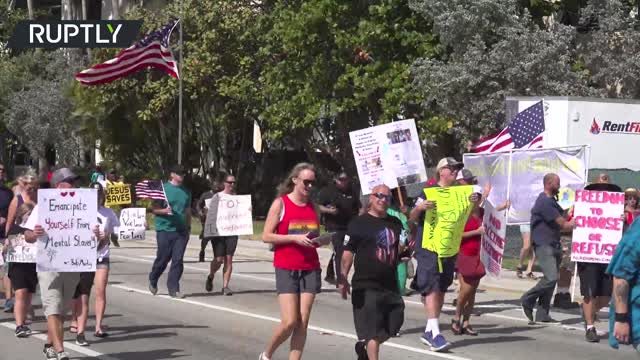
(622, 317)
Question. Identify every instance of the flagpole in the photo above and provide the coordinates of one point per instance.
(180, 84)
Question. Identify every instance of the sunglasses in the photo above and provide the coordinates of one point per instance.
(230, 182)
(382, 196)
(308, 183)
(1, 169)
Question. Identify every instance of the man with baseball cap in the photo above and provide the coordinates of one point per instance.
(433, 280)
(173, 226)
(56, 288)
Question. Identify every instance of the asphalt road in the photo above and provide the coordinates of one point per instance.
(211, 326)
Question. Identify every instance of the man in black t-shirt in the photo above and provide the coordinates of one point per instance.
(378, 308)
(338, 204)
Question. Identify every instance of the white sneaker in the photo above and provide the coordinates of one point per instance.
(63, 355)
(263, 357)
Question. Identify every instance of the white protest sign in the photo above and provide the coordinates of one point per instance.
(229, 215)
(493, 240)
(132, 224)
(388, 154)
(598, 225)
(520, 173)
(67, 216)
(20, 251)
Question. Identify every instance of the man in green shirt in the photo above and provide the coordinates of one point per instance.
(173, 226)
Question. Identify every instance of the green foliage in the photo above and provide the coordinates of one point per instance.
(317, 87)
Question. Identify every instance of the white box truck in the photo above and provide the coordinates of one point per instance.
(611, 127)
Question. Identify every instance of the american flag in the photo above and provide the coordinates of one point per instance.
(150, 189)
(152, 51)
(526, 131)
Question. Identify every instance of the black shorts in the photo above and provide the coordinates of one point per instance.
(23, 276)
(298, 281)
(85, 284)
(428, 275)
(594, 280)
(224, 245)
(377, 314)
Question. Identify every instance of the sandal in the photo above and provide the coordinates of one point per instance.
(532, 276)
(519, 272)
(455, 327)
(100, 334)
(469, 331)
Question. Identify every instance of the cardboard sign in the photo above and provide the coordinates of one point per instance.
(20, 251)
(132, 224)
(67, 216)
(493, 240)
(388, 154)
(117, 195)
(229, 215)
(598, 225)
(443, 225)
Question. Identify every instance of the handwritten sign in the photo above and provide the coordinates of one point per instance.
(229, 215)
(20, 251)
(492, 250)
(67, 216)
(443, 225)
(132, 224)
(598, 225)
(388, 154)
(117, 195)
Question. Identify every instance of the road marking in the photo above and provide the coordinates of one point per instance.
(67, 345)
(276, 320)
(445, 307)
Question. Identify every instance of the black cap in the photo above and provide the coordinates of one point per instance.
(465, 174)
(177, 169)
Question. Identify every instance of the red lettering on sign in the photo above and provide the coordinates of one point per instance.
(597, 222)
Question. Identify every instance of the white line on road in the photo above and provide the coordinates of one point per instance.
(67, 345)
(445, 307)
(272, 319)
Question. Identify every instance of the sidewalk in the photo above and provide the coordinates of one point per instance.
(508, 281)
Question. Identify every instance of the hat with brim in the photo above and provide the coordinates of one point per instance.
(178, 170)
(63, 175)
(466, 175)
(450, 163)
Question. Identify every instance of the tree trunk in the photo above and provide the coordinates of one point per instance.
(115, 10)
(30, 8)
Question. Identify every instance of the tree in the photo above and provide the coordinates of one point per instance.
(335, 66)
(494, 50)
(610, 47)
(37, 113)
(220, 96)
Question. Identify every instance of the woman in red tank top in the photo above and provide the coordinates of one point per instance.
(291, 226)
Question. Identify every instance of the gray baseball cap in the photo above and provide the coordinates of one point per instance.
(63, 175)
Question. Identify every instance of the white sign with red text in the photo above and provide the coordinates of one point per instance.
(598, 225)
(493, 240)
(229, 215)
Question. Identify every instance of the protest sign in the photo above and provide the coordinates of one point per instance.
(67, 216)
(517, 175)
(229, 215)
(19, 250)
(132, 224)
(493, 240)
(388, 154)
(117, 195)
(444, 224)
(598, 225)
